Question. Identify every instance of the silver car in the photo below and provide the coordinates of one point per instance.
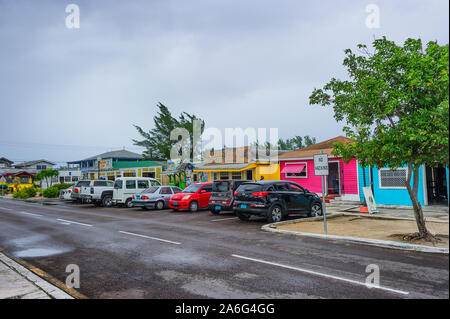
(155, 197)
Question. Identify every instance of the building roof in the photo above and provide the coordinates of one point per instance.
(31, 163)
(326, 147)
(5, 160)
(15, 172)
(122, 154)
(131, 164)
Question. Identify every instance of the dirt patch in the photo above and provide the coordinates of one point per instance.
(373, 228)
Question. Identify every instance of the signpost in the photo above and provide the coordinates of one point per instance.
(321, 169)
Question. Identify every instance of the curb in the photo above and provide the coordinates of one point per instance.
(51, 286)
(353, 240)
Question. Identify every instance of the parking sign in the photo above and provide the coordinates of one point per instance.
(321, 165)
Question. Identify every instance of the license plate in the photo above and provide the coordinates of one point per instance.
(175, 203)
(243, 206)
(218, 207)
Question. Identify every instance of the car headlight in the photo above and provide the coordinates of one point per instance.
(186, 197)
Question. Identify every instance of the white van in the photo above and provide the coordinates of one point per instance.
(126, 187)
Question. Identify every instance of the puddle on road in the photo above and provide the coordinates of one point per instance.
(39, 252)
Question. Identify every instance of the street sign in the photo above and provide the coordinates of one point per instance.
(321, 165)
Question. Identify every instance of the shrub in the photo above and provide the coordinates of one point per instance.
(25, 193)
(51, 192)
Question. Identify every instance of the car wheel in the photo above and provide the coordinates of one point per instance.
(193, 206)
(128, 203)
(275, 214)
(159, 205)
(243, 216)
(316, 210)
(107, 201)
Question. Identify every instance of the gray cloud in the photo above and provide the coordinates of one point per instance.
(68, 94)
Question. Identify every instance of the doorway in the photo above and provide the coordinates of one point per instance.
(437, 185)
(333, 179)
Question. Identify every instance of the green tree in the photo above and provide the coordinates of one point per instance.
(47, 175)
(396, 107)
(295, 143)
(157, 140)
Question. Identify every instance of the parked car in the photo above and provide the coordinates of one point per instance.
(193, 197)
(222, 195)
(126, 187)
(99, 192)
(155, 197)
(66, 194)
(275, 200)
(76, 193)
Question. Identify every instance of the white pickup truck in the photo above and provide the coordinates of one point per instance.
(100, 192)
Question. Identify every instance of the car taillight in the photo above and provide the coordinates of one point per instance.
(70, 191)
(76, 190)
(235, 193)
(144, 197)
(260, 194)
(132, 197)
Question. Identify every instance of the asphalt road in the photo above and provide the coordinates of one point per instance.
(131, 253)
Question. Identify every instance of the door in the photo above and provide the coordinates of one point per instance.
(204, 195)
(298, 201)
(166, 193)
(437, 185)
(284, 194)
(333, 179)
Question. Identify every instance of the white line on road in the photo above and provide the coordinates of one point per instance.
(72, 222)
(323, 275)
(218, 220)
(148, 237)
(31, 214)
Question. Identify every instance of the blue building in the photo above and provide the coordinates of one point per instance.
(388, 186)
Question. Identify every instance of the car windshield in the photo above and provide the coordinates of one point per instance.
(151, 190)
(192, 188)
(118, 184)
(83, 183)
(221, 186)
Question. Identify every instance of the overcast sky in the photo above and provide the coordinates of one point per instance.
(67, 94)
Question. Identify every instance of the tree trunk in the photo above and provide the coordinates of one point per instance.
(418, 213)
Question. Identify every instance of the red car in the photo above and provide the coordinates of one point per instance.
(192, 198)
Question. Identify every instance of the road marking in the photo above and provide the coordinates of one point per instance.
(31, 214)
(322, 275)
(71, 222)
(6, 208)
(148, 237)
(218, 220)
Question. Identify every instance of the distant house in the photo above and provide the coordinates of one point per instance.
(38, 165)
(9, 175)
(5, 163)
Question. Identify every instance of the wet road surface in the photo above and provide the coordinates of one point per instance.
(131, 253)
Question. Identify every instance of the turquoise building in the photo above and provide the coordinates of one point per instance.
(388, 186)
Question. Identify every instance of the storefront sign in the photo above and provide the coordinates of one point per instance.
(370, 200)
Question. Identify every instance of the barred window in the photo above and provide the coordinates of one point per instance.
(392, 179)
(236, 175)
(224, 175)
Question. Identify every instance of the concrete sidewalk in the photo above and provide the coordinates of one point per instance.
(17, 282)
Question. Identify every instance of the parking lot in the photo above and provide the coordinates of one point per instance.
(134, 253)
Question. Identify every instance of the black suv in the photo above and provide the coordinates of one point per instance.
(275, 200)
(222, 195)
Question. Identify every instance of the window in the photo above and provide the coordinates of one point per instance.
(99, 183)
(118, 184)
(302, 174)
(165, 190)
(41, 167)
(236, 175)
(281, 187)
(24, 179)
(74, 178)
(296, 188)
(207, 188)
(224, 175)
(143, 184)
(151, 189)
(130, 184)
(129, 174)
(67, 179)
(148, 174)
(249, 175)
(176, 190)
(61, 179)
(155, 183)
(215, 176)
(392, 179)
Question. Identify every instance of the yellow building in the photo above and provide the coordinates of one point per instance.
(9, 177)
(247, 171)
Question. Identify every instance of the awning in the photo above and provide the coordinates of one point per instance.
(293, 168)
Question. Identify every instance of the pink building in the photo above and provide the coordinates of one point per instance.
(298, 166)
